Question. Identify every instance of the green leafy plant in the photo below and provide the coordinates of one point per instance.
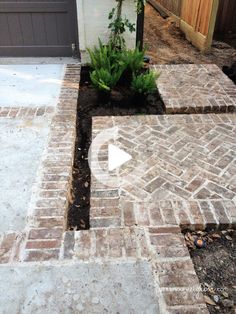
(133, 59)
(118, 26)
(105, 79)
(102, 56)
(145, 83)
(106, 65)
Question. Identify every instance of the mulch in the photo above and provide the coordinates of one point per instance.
(215, 265)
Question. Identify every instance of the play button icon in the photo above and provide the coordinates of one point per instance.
(104, 157)
(116, 157)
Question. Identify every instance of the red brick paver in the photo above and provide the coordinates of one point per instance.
(196, 88)
(182, 173)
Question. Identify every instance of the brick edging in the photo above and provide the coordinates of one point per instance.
(25, 112)
(176, 282)
(48, 210)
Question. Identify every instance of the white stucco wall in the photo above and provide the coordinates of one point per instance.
(93, 22)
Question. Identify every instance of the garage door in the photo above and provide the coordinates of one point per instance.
(37, 27)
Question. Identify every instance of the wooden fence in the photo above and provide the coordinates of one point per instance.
(173, 6)
(196, 19)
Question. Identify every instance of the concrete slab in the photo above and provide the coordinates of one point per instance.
(39, 60)
(30, 85)
(113, 287)
(22, 142)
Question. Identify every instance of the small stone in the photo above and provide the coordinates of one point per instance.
(209, 300)
(225, 294)
(216, 236)
(216, 298)
(201, 233)
(228, 303)
(200, 243)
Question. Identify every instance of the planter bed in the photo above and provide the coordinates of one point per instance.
(121, 103)
(215, 265)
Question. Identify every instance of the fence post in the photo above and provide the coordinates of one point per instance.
(215, 6)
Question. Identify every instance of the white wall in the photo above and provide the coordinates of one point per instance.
(93, 22)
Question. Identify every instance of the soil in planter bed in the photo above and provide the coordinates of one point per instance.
(88, 106)
(215, 266)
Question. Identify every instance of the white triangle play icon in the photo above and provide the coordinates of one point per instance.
(116, 157)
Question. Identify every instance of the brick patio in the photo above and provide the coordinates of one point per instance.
(192, 88)
(182, 175)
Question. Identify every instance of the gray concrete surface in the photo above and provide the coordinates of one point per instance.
(38, 60)
(30, 85)
(22, 140)
(21, 147)
(79, 288)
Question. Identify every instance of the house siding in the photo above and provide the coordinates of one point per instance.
(93, 22)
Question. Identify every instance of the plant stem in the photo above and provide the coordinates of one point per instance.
(119, 7)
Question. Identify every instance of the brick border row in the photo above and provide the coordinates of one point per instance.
(177, 284)
(46, 220)
(25, 112)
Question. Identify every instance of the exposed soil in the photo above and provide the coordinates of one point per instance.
(88, 106)
(167, 44)
(215, 265)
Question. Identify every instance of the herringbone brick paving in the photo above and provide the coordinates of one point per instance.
(183, 172)
(182, 175)
(194, 88)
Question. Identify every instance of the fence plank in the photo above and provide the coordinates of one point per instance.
(198, 21)
(173, 6)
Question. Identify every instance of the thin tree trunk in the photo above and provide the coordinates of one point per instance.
(119, 8)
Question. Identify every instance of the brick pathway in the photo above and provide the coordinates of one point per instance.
(183, 174)
(192, 88)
